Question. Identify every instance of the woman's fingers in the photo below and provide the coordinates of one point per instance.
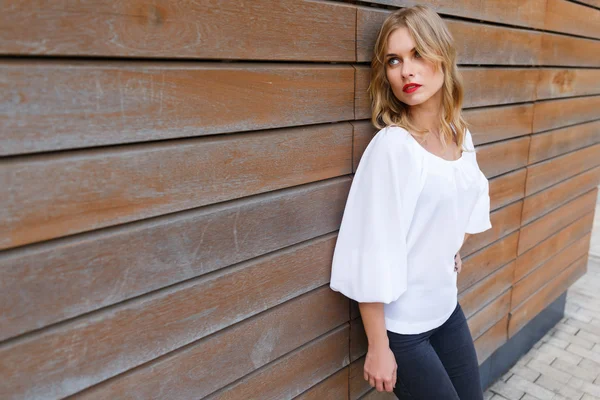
(379, 385)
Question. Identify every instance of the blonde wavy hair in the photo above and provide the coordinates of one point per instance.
(434, 43)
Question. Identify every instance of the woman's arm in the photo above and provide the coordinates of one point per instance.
(380, 363)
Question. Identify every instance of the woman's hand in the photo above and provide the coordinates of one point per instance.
(380, 368)
(457, 263)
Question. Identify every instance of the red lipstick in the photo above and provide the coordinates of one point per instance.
(410, 87)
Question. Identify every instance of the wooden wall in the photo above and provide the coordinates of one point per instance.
(173, 175)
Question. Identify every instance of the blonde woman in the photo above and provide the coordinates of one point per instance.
(416, 195)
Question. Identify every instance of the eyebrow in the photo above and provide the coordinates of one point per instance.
(395, 55)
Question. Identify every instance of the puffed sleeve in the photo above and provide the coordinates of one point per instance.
(479, 220)
(370, 256)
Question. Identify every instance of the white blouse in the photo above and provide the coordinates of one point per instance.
(405, 218)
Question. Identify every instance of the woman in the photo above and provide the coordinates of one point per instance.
(416, 195)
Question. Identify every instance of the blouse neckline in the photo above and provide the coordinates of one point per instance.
(462, 153)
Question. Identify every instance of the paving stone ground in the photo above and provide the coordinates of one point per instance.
(564, 364)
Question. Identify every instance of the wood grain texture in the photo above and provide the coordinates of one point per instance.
(550, 172)
(482, 293)
(560, 141)
(246, 29)
(549, 199)
(554, 221)
(492, 124)
(528, 13)
(375, 395)
(51, 105)
(504, 221)
(546, 295)
(497, 86)
(500, 157)
(334, 387)
(561, 50)
(103, 188)
(362, 100)
(593, 3)
(491, 340)
(357, 385)
(549, 247)
(359, 343)
(568, 82)
(62, 279)
(484, 262)
(552, 114)
(537, 278)
(565, 16)
(476, 43)
(507, 188)
(294, 373)
(363, 132)
(218, 360)
(489, 315)
(91, 349)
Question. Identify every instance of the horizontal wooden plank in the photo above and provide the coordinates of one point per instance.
(482, 293)
(492, 124)
(529, 13)
(504, 221)
(481, 264)
(507, 188)
(88, 190)
(560, 141)
(375, 395)
(549, 199)
(362, 100)
(334, 387)
(520, 316)
(489, 315)
(496, 86)
(544, 227)
(247, 29)
(53, 105)
(476, 43)
(359, 343)
(547, 248)
(294, 373)
(65, 278)
(220, 359)
(550, 172)
(357, 386)
(91, 349)
(537, 278)
(561, 50)
(552, 114)
(500, 157)
(594, 3)
(562, 82)
(491, 340)
(568, 17)
(363, 133)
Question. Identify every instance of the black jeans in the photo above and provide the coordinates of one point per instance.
(440, 364)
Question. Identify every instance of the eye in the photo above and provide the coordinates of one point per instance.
(393, 61)
(417, 55)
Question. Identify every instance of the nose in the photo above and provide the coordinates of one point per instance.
(408, 69)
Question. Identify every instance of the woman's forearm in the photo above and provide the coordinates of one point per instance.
(374, 323)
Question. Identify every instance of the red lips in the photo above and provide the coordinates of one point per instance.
(410, 87)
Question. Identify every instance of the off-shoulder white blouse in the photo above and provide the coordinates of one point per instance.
(405, 218)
